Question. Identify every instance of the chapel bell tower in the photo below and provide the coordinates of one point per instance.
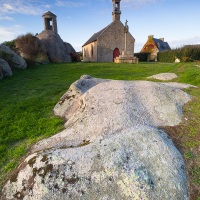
(116, 10)
(50, 22)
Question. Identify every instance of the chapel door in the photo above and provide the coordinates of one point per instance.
(116, 53)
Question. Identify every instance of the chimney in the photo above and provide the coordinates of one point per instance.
(150, 36)
(162, 39)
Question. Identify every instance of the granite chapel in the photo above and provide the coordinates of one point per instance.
(109, 43)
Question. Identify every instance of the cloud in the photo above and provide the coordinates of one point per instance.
(139, 3)
(68, 3)
(28, 7)
(7, 18)
(9, 33)
(185, 41)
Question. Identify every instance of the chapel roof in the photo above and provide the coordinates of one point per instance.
(95, 36)
(161, 45)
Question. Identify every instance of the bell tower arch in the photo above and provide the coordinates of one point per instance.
(50, 22)
(116, 10)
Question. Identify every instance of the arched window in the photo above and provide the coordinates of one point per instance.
(92, 51)
(84, 53)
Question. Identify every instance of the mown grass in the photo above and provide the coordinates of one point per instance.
(28, 98)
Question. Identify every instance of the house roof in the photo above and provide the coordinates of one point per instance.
(161, 45)
(95, 36)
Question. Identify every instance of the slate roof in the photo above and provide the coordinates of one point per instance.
(162, 46)
(95, 36)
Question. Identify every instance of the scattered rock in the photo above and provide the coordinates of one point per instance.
(5, 68)
(56, 49)
(13, 59)
(164, 76)
(177, 60)
(111, 147)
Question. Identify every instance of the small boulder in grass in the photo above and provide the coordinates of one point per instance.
(164, 76)
(15, 60)
(5, 68)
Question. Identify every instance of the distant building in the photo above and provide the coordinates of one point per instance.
(153, 46)
(107, 44)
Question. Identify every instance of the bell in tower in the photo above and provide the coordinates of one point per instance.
(116, 10)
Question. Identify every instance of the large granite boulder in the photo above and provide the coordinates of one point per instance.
(12, 58)
(69, 48)
(71, 51)
(111, 148)
(5, 68)
(56, 48)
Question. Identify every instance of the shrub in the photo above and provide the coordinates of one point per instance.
(75, 57)
(11, 44)
(31, 49)
(187, 53)
(143, 57)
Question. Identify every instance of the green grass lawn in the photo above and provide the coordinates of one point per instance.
(28, 98)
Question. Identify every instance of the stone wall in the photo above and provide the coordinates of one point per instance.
(90, 52)
(113, 38)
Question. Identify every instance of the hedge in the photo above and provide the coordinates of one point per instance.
(143, 57)
(185, 54)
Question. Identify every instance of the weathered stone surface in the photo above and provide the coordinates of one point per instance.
(113, 105)
(128, 165)
(5, 68)
(111, 147)
(55, 46)
(15, 59)
(69, 101)
(179, 85)
(164, 76)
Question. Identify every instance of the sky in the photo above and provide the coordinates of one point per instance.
(177, 21)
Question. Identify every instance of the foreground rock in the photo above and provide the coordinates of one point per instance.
(13, 59)
(5, 69)
(55, 47)
(111, 147)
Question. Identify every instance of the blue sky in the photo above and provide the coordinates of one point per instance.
(175, 20)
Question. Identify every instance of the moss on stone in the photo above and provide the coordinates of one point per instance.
(44, 158)
(32, 161)
(84, 143)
